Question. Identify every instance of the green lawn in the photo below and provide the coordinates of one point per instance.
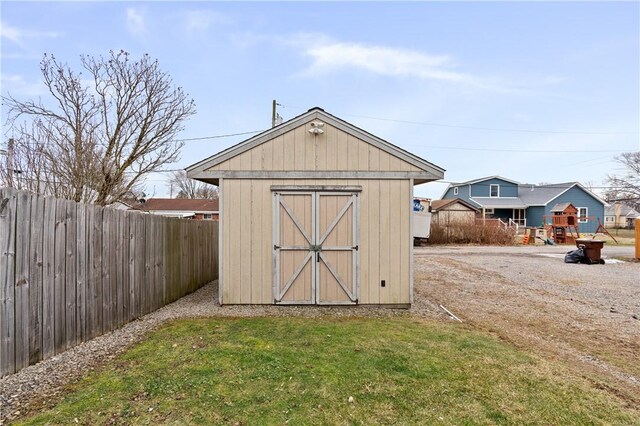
(304, 371)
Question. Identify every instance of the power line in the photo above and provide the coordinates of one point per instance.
(541, 151)
(493, 129)
(219, 136)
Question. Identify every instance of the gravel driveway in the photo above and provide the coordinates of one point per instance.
(526, 295)
(586, 315)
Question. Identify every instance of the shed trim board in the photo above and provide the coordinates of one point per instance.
(334, 188)
(411, 250)
(220, 240)
(258, 174)
(195, 170)
(313, 254)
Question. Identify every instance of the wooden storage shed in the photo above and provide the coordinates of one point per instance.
(315, 211)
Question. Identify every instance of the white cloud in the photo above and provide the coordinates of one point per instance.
(199, 21)
(135, 21)
(18, 35)
(17, 85)
(383, 61)
(328, 55)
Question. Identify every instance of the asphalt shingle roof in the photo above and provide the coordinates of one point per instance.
(533, 195)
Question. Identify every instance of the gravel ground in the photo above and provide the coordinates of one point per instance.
(586, 315)
(527, 295)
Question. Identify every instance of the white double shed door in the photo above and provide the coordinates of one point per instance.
(315, 247)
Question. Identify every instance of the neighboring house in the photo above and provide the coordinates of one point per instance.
(527, 204)
(452, 210)
(203, 209)
(619, 215)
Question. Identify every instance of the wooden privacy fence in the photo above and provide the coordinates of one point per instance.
(70, 272)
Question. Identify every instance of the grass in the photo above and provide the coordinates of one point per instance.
(303, 371)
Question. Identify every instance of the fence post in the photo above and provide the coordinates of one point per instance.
(637, 226)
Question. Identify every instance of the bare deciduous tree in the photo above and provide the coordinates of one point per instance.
(105, 132)
(626, 187)
(191, 188)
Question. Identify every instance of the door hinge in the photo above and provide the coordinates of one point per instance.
(275, 247)
(355, 248)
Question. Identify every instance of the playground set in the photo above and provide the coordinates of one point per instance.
(563, 226)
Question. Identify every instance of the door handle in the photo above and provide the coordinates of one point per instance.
(317, 257)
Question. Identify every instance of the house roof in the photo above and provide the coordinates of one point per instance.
(442, 204)
(178, 204)
(470, 182)
(499, 203)
(624, 211)
(432, 172)
(541, 195)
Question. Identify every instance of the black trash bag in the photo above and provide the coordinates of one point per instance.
(575, 256)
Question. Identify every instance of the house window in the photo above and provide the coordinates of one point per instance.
(489, 211)
(494, 191)
(207, 216)
(455, 191)
(583, 212)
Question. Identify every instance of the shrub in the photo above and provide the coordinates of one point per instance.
(485, 233)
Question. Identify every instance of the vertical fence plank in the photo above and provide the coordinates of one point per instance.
(119, 270)
(23, 219)
(140, 264)
(81, 272)
(132, 266)
(59, 279)
(148, 269)
(97, 271)
(107, 232)
(70, 274)
(48, 278)
(124, 266)
(36, 268)
(8, 200)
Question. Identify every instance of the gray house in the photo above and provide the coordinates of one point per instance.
(527, 204)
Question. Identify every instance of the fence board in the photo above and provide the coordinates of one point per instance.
(106, 270)
(8, 199)
(95, 287)
(81, 272)
(59, 278)
(48, 277)
(70, 272)
(119, 270)
(36, 271)
(21, 291)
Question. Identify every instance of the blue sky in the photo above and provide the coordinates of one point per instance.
(438, 79)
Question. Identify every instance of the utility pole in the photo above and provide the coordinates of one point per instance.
(275, 117)
(10, 153)
(273, 114)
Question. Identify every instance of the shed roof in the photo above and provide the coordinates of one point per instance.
(202, 170)
(561, 207)
(443, 204)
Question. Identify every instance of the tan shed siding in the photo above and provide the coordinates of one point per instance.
(248, 248)
(335, 150)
